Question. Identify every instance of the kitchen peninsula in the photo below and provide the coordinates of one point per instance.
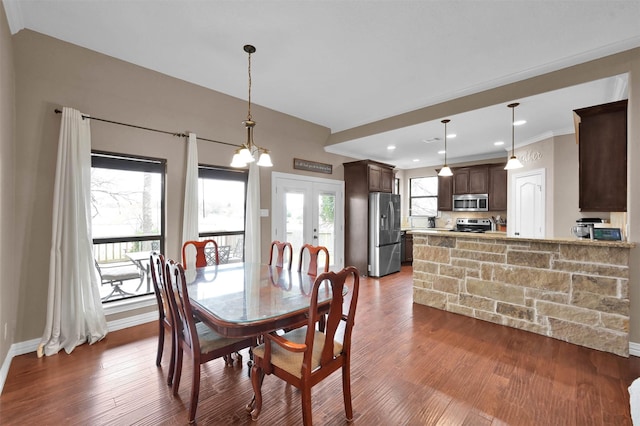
(569, 289)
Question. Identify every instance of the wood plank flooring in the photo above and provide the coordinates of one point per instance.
(412, 365)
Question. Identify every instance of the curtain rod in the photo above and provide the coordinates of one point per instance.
(182, 135)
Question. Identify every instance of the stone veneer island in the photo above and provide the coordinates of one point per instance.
(568, 289)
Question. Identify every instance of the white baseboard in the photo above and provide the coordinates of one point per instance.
(634, 349)
(22, 348)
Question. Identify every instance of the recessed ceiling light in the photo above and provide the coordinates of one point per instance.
(451, 135)
(442, 151)
(391, 147)
(498, 143)
(415, 160)
(519, 122)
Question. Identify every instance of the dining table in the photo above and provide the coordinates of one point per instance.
(250, 299)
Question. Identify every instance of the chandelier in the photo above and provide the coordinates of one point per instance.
(513, 162)
(446, 170)
(248, 150)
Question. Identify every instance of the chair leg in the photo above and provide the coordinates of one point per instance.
(172, 364)
(177, 371)
(160, 343)
(305, 393)
(346, 389)
(195, 391)
(257, 377)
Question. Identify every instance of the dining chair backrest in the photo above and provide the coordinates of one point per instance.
(165, 312)
(185, 326)
(156, 262)
(336, 281)
(206, 253)
(304, 356)
(313, 253)
(283, 251)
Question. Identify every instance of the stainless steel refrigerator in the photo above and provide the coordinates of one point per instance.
(384, 234)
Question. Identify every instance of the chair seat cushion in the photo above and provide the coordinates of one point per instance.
(292, 361)
(117, 273)
(211, 341)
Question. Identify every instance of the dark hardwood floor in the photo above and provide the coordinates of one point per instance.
(412, 365)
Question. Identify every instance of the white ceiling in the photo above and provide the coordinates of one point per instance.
(342, 63)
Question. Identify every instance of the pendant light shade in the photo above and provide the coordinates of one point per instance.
(513, 162)
(247, 151)
(445, 170)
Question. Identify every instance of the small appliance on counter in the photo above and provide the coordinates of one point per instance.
(584, 227)
(472, 225)
(431, 222)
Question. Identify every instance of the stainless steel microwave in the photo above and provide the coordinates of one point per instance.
(471, 203)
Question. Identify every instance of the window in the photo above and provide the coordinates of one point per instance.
(222, 195)
(423, 196)
(128, 221)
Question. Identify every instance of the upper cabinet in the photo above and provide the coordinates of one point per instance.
(380, 177)
(497, 188)
(483, 179)
(445, 193)
(471, 180)
(602, 139)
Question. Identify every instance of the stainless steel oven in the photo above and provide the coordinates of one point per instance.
(471, 203)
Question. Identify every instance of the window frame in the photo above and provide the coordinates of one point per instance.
(412, 197)
(136, 163)
(209, 171)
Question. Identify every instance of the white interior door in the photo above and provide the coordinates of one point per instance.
(528, 217)
(309, 211)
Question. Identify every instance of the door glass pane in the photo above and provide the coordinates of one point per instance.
(326, 222)
(295, 222)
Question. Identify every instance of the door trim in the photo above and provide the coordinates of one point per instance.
(310, 179)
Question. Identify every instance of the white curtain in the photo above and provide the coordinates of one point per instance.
(190, 214)
(252, 223)
(74, 308)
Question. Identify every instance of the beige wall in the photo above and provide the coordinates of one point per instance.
(51, 73)
(8, 284)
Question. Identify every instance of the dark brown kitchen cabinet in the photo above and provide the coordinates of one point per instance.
(497, 188)
(461, 181)
(602, 153)
(361, 178)
(407, 248)
(445, 193)
(471, 180)
(380, 178)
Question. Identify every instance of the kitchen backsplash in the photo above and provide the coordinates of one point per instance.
(448, 219)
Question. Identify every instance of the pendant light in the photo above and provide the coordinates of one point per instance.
(245, 154)
(513, 162)
(445, 170)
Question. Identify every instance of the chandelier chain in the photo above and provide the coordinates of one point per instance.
(249, 69)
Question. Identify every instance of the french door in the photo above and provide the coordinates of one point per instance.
(308, 210)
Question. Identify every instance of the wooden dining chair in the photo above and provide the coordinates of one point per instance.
(282, 249)
(200, 341)
(305, 356)
(165, 314)
(206, 253)
(313, 252)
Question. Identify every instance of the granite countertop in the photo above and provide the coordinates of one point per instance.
(503, 235)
